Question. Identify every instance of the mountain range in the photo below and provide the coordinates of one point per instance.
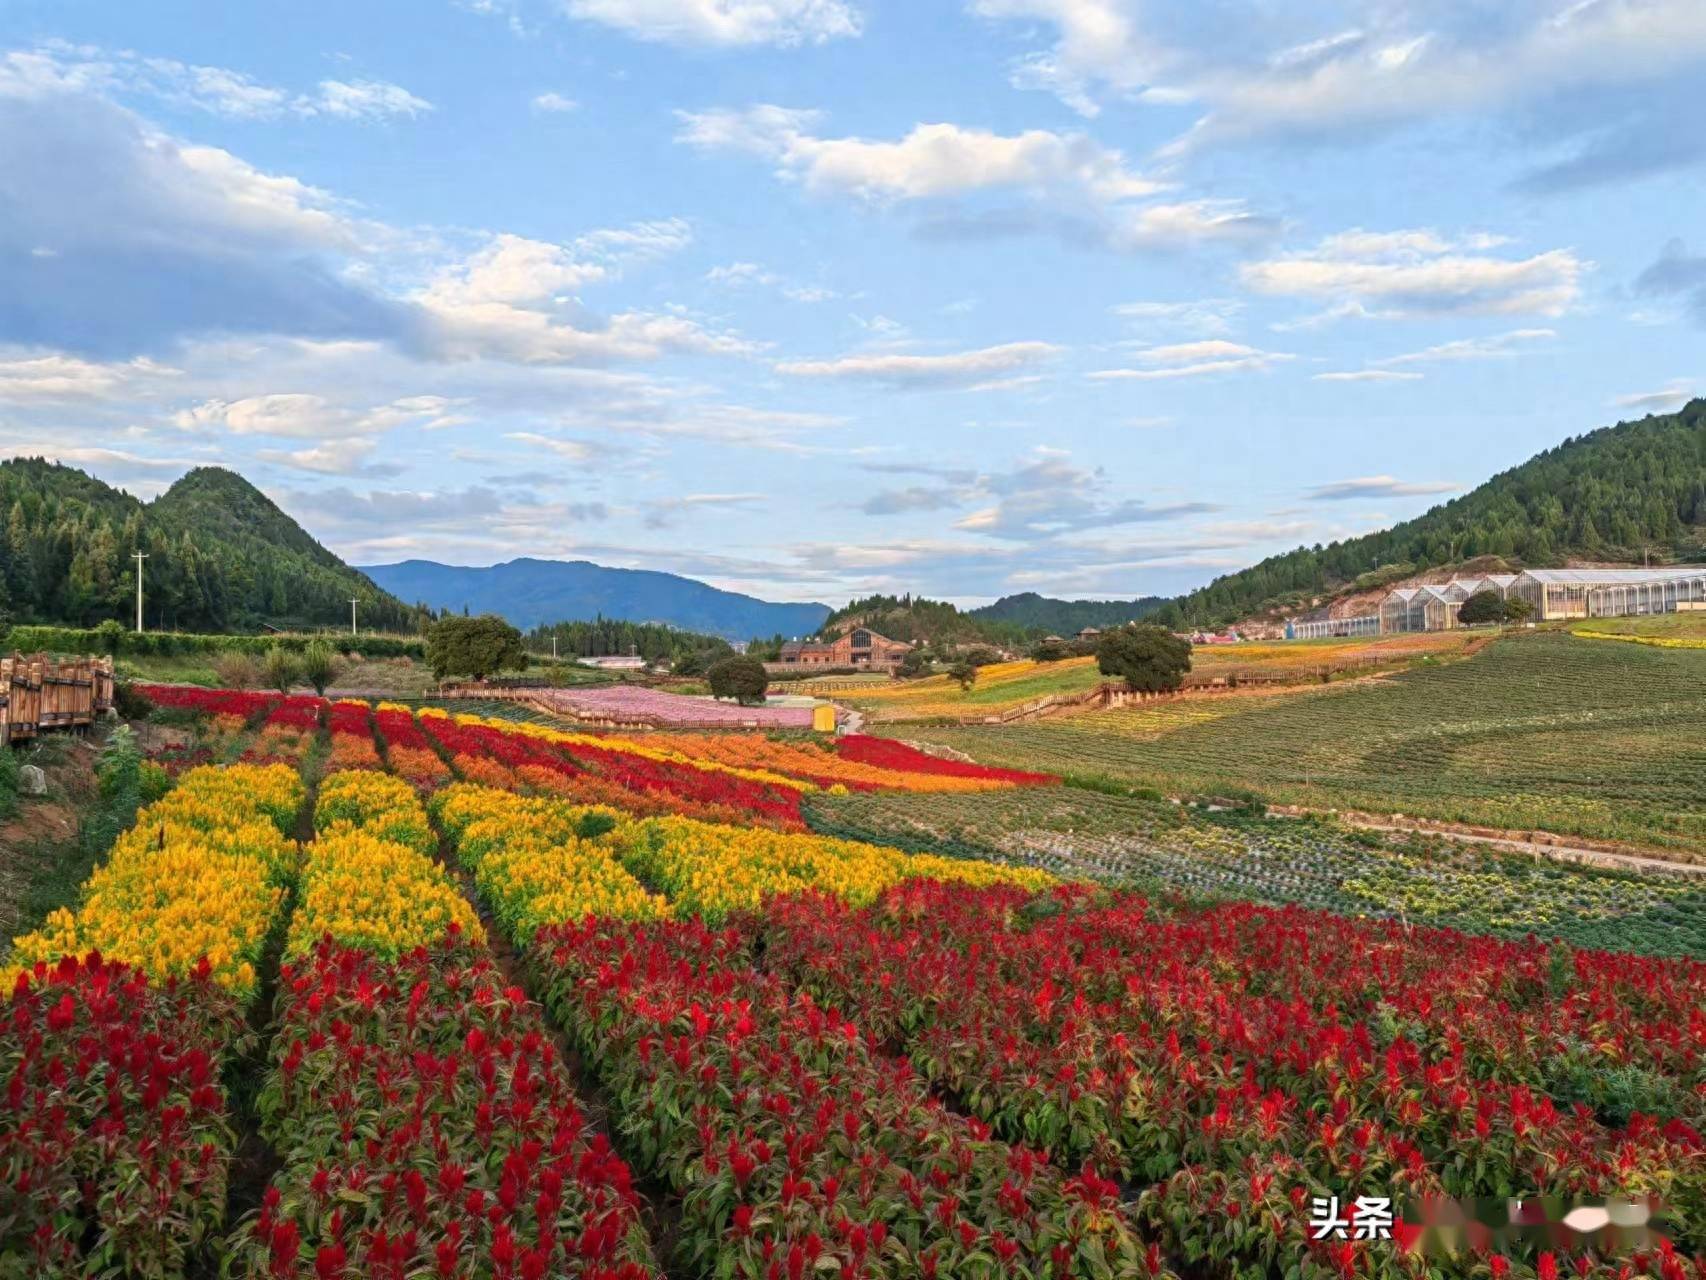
(532, 592)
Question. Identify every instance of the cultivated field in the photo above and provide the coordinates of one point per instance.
(371, 992)
(1538, 731)
(1010, 685)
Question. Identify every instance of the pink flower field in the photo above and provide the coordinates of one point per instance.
(627, 702)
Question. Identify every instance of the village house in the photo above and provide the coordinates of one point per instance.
(860, 647)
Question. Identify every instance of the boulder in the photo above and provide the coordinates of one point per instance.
(32, 781)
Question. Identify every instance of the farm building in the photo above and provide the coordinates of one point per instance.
(860, 647)
(1551, 593)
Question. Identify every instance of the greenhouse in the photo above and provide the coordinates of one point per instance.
(1550, 593)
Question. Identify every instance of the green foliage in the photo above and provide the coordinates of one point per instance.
(697, 662)
(79, 640)
(1481, 608)
(109, 635)
(741, 678)
(1518, 610)
(1610, 495)
(320, 665)
(964, 673)
(221, 556)
(474, 647)
(281, 669)
(981, 656)
(1038, 615)
(914, 665)
(1049, 651)
(1149, 659)
(8, 781)
(592, 824)
(611, 637)
(130, 702)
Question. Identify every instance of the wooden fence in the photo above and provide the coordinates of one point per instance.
(42, 693)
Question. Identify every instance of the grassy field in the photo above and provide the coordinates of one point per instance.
(1675, 628)
(1541, 730)
(1160, 847)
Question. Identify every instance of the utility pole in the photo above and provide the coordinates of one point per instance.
(352, 601)
(139, 557)
(553, 646)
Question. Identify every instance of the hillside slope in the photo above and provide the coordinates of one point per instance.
(1613, 495)
(1033, 612)
(533, 592)
(221, 556)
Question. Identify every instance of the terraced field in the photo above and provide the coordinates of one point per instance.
(1538, 731)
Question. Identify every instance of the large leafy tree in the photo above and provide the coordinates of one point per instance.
(741, 678)
(474, 647)
(1148, 659)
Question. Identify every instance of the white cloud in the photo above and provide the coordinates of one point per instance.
(661, 513)
(1209, 316)
(724, 22)
(1071, 183)
(363, 100)
(932, 160)
(569, 450)
(1665, 400)
(339, 457)
(1259, 69)
(553, 103)
(1196, 359)
(1367, 375)
(309, 416)
(1376, 487)
(60, 66)
(38, 376)
(1493, 347)
(959, 369)
(1418, 273)
(1102, 45)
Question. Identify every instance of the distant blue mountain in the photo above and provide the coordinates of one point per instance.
(532, 592)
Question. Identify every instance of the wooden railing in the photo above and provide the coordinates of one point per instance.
(40, 694)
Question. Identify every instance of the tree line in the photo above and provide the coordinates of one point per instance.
(612, 637)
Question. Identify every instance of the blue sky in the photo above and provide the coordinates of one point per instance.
(814, 297)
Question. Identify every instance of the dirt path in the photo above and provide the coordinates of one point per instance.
(1549, 846)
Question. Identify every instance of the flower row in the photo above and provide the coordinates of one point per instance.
(538, 861)
(369, 880)
(352, 736)
(115, 1138)
(197, 881)
(408, 751)
(797, 1148)
(1255, 1059)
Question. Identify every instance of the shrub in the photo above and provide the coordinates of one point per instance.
(964, 672)
(743, 679)
(130, 702)
(320, 666)
(235, 669)
(282, 669)
(1148, 659)
(1049, 651)
(1483, 606)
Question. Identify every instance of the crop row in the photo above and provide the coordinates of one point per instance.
(117, 1145)
(597, 861)
(1255, 1060)
(1125, 840)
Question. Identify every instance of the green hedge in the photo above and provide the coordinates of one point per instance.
(78, 640)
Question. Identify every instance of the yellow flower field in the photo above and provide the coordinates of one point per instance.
(202, 873)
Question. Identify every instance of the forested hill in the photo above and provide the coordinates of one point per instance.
(1033, 612)
(221, 556)
(1610, 496)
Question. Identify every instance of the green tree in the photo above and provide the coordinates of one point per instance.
(741, 678)
(1517, 610)
(1481, 608)
(963, 673)
(321, 665)
(916, 663)
(281, 669)
(1048, 651)
(1149, 659)
(474, 647)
